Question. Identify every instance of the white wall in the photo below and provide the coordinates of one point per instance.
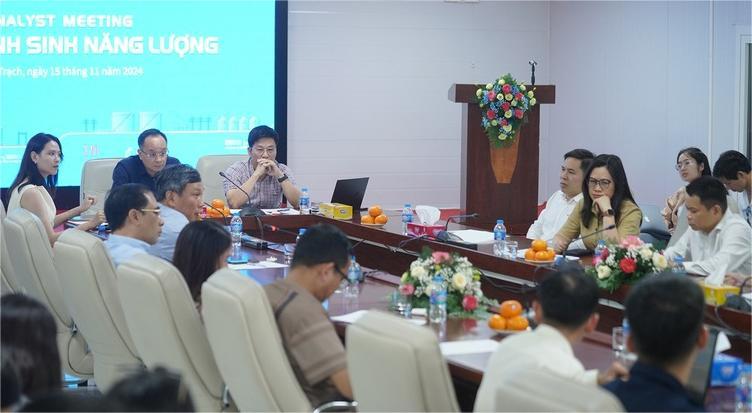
(368, 87)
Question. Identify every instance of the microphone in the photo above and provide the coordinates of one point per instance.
(246, 211)
(532, 64)
(274, 228)
(582, 237)
(224, 217)
(737, 301)
(445, 235)
(404, 242)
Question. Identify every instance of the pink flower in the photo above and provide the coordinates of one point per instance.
(506, 88)
(518, 113)
(491, 95)
(518, 96)
(406, 289)
(604, 254)
(505, 106)
(504, 122)
(490, 114)
(628, 265)
(631, 241)
(440, 257)
(470, 303)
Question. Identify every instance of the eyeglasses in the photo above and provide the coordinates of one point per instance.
(684, 164)
(154, 210)
(260, 151)
(341, 274)
(603, 183)
(154, 155)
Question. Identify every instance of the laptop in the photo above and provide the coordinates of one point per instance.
(350, 192)
(699, 378)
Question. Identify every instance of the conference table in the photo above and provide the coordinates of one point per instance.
(384, 253)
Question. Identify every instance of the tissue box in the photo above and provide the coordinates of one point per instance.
(415, 229)
(336, 211)
(716, 294)
(726, 370)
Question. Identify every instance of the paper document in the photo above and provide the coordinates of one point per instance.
(281, 211)
(453, 348)
(355, 316)
(256, 265)
(474, 236)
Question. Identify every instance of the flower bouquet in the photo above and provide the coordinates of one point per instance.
(461, 279)
(627, 262)
(504, 104)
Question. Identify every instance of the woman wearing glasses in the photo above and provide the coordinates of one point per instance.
(691, 164)
(35, 184)
(607, 202)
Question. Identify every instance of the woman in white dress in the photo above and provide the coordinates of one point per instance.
(35, 183)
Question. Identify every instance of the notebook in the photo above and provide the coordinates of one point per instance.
(699, 378)
(350, 192)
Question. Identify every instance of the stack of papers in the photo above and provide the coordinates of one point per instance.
(455, 348)
(256, 265)
(473, 236)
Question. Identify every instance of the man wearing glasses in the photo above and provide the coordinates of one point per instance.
(133, 215)
(263, 178)
(152, 157)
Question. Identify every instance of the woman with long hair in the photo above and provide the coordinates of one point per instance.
(36, 182)
(201, 249)
(607, 201)
(691, 164)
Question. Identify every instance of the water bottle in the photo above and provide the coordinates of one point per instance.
(300, 234)
(437, 313)
(743, 389)
(678, 264)
(598, 250)
(236, 231)
(353, 278)
(305, 201)
(407, 216)
(500, 236)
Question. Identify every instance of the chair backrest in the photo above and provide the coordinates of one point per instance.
(247, 345)
(90, 292)
(397, 366)
(96, 180)
(33, 262)
(681, 227)
(534, 390)
(166, 327)
(209, 166)
(9, 281)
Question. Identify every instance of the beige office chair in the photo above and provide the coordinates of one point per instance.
(33, 262)
(387, 355)
(209, 166)
(541, 391)
(167, 328)
(90, 292)
(247, 346)
(9, 280)
(96, 180)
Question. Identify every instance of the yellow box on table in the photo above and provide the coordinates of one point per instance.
(335, 210)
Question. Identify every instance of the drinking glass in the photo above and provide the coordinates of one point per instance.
(288, 250)
(510, 249)
(402, 304)
(618, 344)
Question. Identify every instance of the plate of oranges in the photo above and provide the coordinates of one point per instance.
(218, 209)
(539, 253)
(509, 319)
(375, 218)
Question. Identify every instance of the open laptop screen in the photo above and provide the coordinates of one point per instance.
(699, 378)
(350, 192)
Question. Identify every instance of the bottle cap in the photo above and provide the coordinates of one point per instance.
(407, 205)
(301, 231)
(499, 221)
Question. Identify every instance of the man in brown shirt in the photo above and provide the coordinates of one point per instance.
(316, 354)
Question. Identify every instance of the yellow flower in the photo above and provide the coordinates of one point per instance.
(603, 271)
(508, 114)
(530, 94)
(489, 86)
(660, 261)
(507, 128)
(522, 87)
(459, 281)
(508, 96)
(494, 122)
(404, 276)
(514, 103)
(478, 92)
(502, 137)
(533, 102)
(500, 97)
(501, 81)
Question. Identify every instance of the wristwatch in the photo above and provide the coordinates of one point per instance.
(609, 213)
(282, 178)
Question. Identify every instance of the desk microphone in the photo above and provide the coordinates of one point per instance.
(564, 252)
(274, 228)
(224, 217)
(445, 235)
(246, 211)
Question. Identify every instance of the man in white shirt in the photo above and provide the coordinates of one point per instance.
(179, 193)
(565, 312)
(133, 215)
(733, 169)
(562, 202)
(717, 241)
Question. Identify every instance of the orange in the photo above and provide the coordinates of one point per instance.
(510, 308)
(366, 219)
(218, 203)
(538, 245)
(551, 254)
(517, 323)
(541, 256)
(381, 219)
(529, 254)
(375, 211)
(497, 322)
(227, 211)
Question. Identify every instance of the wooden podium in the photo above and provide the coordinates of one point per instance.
(515, 202)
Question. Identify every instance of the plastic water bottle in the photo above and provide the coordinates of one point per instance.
(500, 236)
(678, 264)
(236, 231)
(353, 278)
(437, 313)
(407, 216)
(305, 201)
(743, 389)
(300, 234)
(598, 250)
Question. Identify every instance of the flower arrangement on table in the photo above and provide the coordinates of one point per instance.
(459, 276)
(504, 104)
(626, 263)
